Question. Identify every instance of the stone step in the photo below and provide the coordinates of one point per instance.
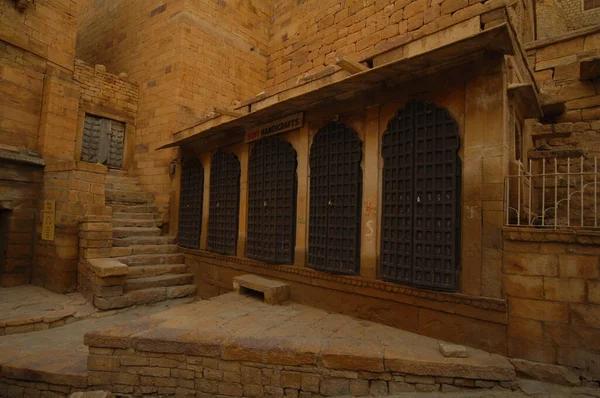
(152, 259)
(127, 196)
(126, 232)
(123, 186)
(123, 251)
(116, 173)
(135, 209)
(146, 271)
(120, 215)
(144, 296)
(158, 281)
(134, 223)
(142, 240)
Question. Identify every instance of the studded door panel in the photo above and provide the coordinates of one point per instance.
(224, 203)
(335, 200)
(190, 204)
(272, 183)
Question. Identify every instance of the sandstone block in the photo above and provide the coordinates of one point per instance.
(545, 372)
(310, 382)
(93, 394)
(334, 387)
(275, 292)
(359, 387)
(378, 388)
(252, 390)
(291, 379)
(452, 350)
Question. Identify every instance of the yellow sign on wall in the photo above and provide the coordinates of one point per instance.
(48, 219)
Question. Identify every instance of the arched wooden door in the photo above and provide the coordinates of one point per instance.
(335, 200)
(224, 203)
(420, 237)
(190, 204)
(272, 184)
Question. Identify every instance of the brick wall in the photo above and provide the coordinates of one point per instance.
(308, 35)
(576, 18)
(552, 283)
(550, 19)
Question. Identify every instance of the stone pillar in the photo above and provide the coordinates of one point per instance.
(205, 159)
(301, 142)
(243, 156)
(371, 173)
(485, 162)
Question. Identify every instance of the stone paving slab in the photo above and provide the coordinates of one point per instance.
(58, 356)
(28, 308)
(241, 328)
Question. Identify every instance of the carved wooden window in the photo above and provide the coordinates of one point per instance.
(103, 141)
(190, 204)
(420, 239)
(224, 203)
(272, 183)
(335, 200)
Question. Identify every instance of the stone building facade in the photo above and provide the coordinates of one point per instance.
(349, 85)
(375, 154)
(46, 96)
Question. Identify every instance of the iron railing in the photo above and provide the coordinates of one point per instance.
(553, 193)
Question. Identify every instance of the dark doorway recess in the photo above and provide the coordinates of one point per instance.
(420, 236)
(272, 185)
(190, 204)
(4, 236)
(335, 200)
(224, 203)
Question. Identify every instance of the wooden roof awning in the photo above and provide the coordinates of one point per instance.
(341, 83)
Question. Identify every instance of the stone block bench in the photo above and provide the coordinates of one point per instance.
(275, 292)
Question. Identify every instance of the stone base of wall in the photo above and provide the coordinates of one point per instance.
(128, 371)
(473, 321)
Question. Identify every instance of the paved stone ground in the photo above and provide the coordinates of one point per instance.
(61, 349)
(28, 308)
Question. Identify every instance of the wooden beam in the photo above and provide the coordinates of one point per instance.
(350, 66)
(227, 112)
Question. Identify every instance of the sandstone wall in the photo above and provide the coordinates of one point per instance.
(550, 19)
(187, 57)
(45, 29)
(30, 41)
(557, 69)
(552, 282)
(308, 35)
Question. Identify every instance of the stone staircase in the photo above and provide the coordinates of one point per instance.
(157, 269)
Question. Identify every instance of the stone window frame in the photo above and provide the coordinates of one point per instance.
(128, 141)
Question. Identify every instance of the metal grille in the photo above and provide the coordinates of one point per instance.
(335, 200)
(103, 141)
(224, 203)
(556, 193)
(272, 183)
(190, 204)
(421, 194)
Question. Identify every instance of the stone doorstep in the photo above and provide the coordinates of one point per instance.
(275, 292)
(104, 267)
